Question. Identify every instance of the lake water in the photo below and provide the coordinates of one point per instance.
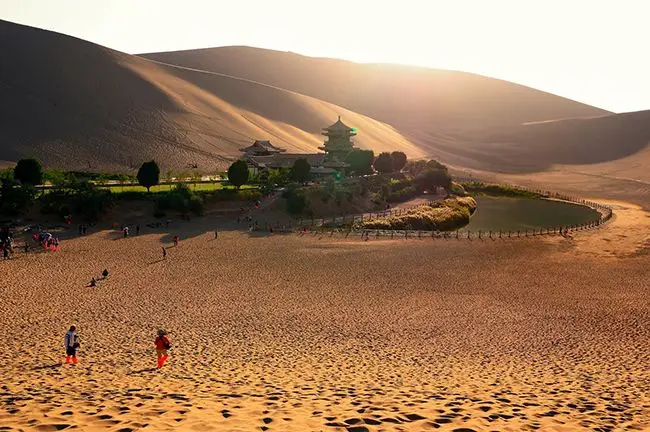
(512, 214)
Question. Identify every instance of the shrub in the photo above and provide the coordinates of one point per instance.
(448, 215)
(458, 189)
(149, 174)
(479, 188)
(300, 171)
(360, 161)
(180, 199)
(296, 200)
(403, 194)
(82, 198)
(432, 178)
(15, 198)
(29, 172)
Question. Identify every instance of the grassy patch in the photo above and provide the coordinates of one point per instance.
(448, 215)
(195, 187)
(478, 188)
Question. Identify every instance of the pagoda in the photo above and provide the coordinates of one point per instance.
(339, 141)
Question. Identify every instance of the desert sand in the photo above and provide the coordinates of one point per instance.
(298, 333)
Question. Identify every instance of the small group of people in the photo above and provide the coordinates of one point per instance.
(47, 240)
(72, 344)
(93, 281)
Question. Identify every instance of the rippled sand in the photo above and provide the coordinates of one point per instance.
(323, 333)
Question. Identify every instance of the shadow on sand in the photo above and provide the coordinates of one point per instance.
(142, 372)
(50, 366)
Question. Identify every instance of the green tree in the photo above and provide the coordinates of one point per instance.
(384, 163)
(15, 197)
(296, 202)
(29, 172)
(360, 161)
(149, 175)
(238, 173)
(399, 160)
(300, 171)
(432, 178)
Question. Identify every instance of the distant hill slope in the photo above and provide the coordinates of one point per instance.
(537, 146)
(461, 118)
(74, 104)
(405, 96)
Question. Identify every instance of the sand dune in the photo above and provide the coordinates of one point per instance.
(79, 105)
(461, 118)
(403, 96)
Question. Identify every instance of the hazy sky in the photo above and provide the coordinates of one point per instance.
(594, 51)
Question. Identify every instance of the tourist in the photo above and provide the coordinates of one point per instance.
(93, 283)
(105, 273)
(71, 345)
(162, 345)
(164, 253)
(137, 229)
(126, 231)
(216, 234)
(5, 252)
(176, 240)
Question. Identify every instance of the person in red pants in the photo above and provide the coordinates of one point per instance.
(162, 345)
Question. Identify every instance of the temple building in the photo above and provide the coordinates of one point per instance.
(261, 148)
(262, 155)
(339, 140)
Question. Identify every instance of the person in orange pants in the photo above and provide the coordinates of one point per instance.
(162, 345)
(71, 345)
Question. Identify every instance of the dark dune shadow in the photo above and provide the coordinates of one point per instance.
(50, 366)
(142, 372)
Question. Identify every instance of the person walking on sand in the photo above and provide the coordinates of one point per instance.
(176, 240)
(216, 234)
(162, 345)
(164, 253)
(71, 345)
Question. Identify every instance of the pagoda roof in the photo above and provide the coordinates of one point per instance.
(334, 162)
(262, 145)
(339, 126)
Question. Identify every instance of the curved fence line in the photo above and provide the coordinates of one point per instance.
(319, 226)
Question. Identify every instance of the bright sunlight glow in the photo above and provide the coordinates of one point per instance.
(592, 51)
